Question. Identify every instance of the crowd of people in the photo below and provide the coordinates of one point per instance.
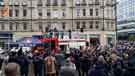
(118, 60)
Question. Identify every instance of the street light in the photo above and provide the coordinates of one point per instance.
(116, 19)
(103, 7)
(103, 29)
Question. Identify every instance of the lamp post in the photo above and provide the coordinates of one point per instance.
(103, 29)
(116, 19)
(103, 7)
(72, 12)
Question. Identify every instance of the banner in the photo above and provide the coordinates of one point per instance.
(5, 9)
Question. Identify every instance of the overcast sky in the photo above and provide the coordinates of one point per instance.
(118, 0)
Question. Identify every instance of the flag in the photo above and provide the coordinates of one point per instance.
(5, 9)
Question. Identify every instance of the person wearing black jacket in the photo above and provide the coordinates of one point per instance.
(23, 62)
(38, 65)
(85, 65)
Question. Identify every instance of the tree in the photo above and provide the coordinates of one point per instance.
(131, 38)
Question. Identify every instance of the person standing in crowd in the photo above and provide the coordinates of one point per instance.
(130, 71)
(38, 64)
(22, 60)
(117, 65)
(1, 61)
(68, 69)
(67, 53)
(85, 65)
(12, 57)
(77, 60)
(12, 69)
(99, 68)
(50, 65)
(59, 61)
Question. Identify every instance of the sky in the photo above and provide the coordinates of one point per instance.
(118, 0)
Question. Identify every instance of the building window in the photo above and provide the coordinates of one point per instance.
(11, 26)
(55, 2)
(91, 12)
(24, 12)
(40, 26)
(39, 3)
(63, 25)
(49, 26)
(17, 26)
(84, 12)
(63, 2)
(78, 12)
(97, 24)
(96, 1)
(16, 12)
(83, 25)
(112, 25)
(48, 13)
(10, 12)
(63, 13)
(2, 26)
(77, 2)
(77, 25)
(84, 3)
(24, 26)
(91, 24)
(39, 12)
(48, 2)
(108, 24)
(97, 12)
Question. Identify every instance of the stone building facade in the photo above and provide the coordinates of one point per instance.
(96, 18)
